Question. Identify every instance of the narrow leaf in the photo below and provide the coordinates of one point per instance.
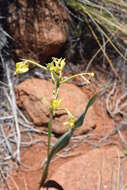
(60, 144)
(80, 120)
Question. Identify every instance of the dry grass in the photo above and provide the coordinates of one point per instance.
(106, 22)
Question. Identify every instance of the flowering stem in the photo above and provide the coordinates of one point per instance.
(76, 75)
(50, 130)
(51, 116)
(57, 89)
(36, 64)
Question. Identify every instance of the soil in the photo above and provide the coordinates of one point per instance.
(86, 148)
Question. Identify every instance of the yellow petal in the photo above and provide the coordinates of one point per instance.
(21, 67)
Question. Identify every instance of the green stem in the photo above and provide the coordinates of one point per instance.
(49, 155)
(57, 88)
(50, 131)
(36, 64)
(74, 76)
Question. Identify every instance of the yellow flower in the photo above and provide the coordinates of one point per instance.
(56, 66)
(60, 64)
(55, 104)
(71, 119)
(22, 67)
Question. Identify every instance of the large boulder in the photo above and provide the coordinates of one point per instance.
(39, 28)
(33, 96)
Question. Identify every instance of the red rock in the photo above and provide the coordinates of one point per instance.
(88, 172)
(39, 28)
(30, 92)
